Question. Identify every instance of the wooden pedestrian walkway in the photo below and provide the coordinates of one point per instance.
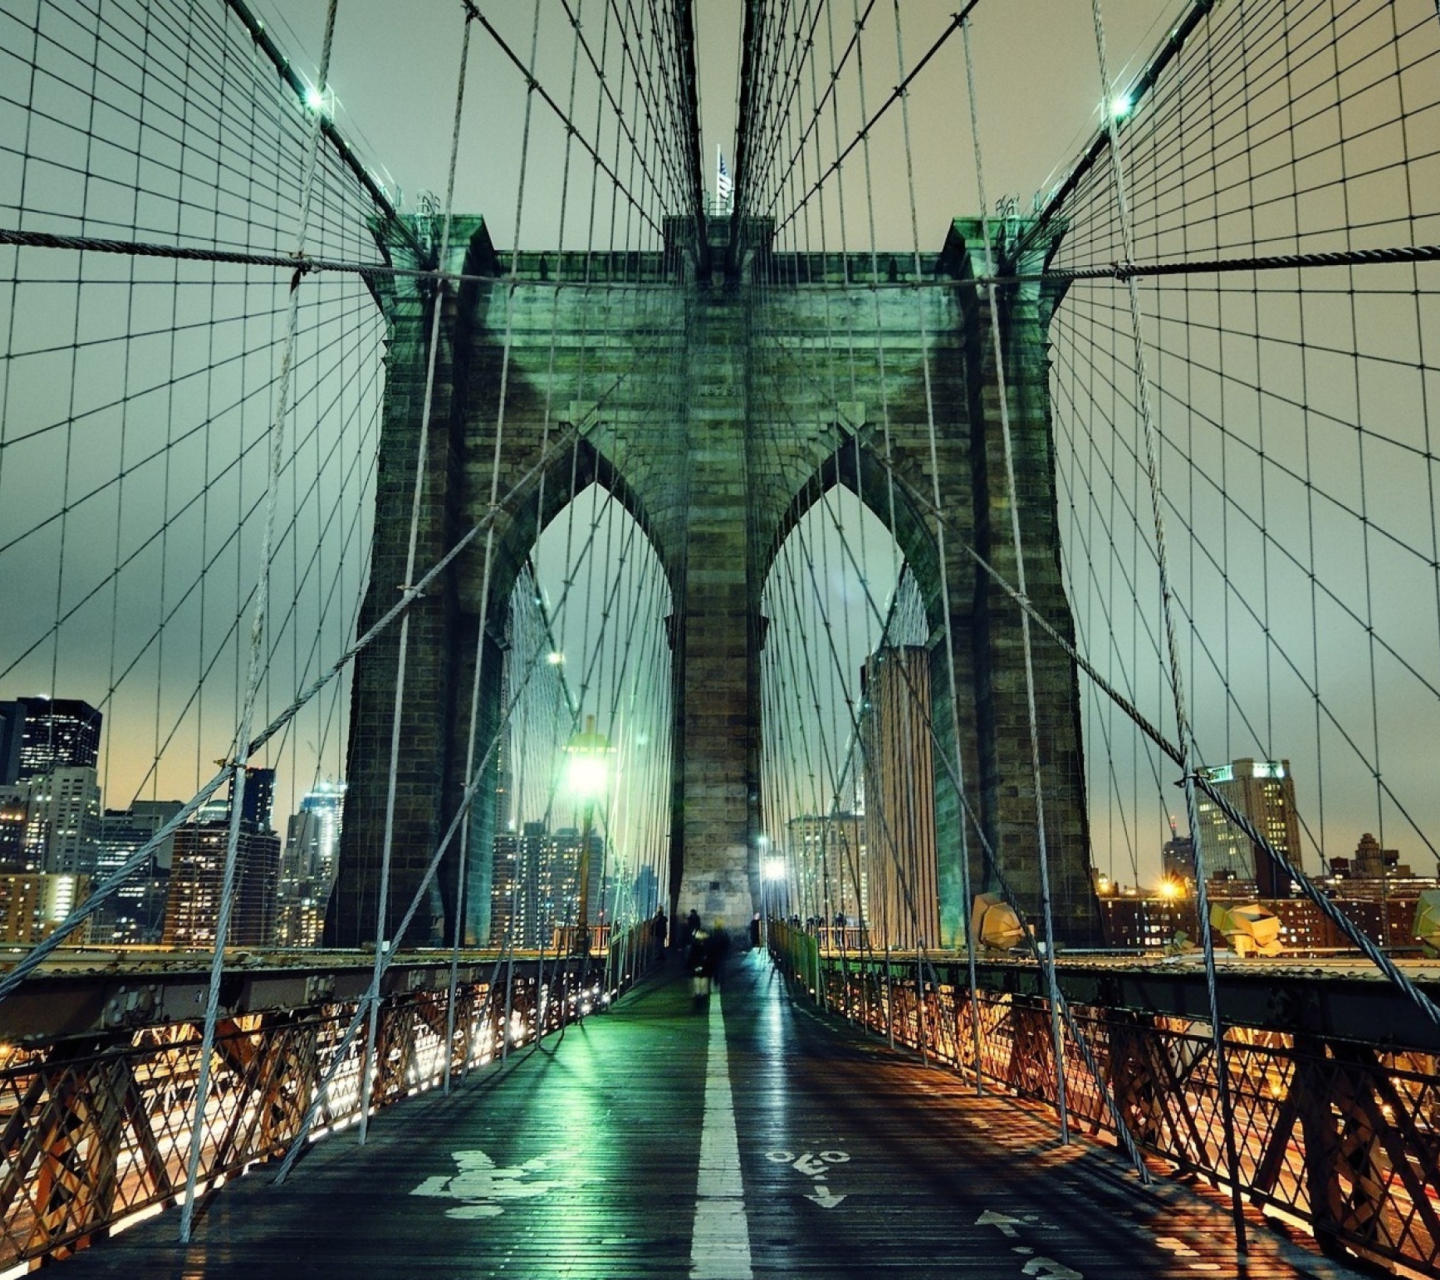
(754, 1137)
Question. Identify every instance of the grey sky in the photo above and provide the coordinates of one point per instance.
(393, 75)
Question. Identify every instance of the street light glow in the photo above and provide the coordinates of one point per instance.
(1120, 105)
(774, 869)
(587, 763)
(586, 775)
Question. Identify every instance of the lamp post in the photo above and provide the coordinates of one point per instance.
(770, 869)
(587, 774)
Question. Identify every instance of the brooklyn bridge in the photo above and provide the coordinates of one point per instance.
(845, 599)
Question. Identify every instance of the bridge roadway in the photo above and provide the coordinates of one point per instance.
(754, 1137)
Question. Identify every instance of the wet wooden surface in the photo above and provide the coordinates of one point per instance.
(582, 1160)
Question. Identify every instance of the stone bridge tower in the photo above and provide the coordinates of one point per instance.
(699, 386)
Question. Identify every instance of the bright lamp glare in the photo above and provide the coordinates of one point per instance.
(314, 99)
(555, 659)
(1120, 105)
(587, 775)
(774, 868)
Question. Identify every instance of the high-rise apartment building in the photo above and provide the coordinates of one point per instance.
(903, 891)
(1263, 791)
(38, 734)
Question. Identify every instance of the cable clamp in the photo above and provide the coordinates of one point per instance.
(406, 588)
(303, 266)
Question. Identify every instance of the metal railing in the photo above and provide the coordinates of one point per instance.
(95, 1130)
(1338, 1135)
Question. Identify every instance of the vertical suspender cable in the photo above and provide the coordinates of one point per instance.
(421, 458)
(1016, 543)
(459, 899)
(257, 649)
(966, 905)
(1183, 728)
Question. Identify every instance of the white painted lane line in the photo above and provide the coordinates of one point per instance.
(720, 1242)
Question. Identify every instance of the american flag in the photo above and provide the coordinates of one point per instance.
(724, 187)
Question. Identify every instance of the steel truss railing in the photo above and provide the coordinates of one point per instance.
(1340, 1136)
(95, 1130)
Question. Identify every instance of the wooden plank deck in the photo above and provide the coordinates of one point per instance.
(583, 1160)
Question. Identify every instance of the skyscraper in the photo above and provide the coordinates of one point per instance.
(1263, 791)
(307, 867)
(12, 729)
(259, 798)
(1177, 858)
(903, 884)
(535, 885)
(192, 906)
(14, 819)
(38, 734)
(136, 911)
(829, 855)
(62, 834)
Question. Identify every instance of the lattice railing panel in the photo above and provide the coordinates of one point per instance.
(94, 1131)
(1342, 1136)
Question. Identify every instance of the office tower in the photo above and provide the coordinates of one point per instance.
(1263, 792)
(14, 819)
(62, 830)
(645, 893)
(307, 867)
(259, 799)
(39, 734)
(829, 857)
(12, 729)
(33, 903)
(505, 898)
(557, 875)
(136, 912)
(903, 896)
(535, 885)
(1177, 858)
(192, 905)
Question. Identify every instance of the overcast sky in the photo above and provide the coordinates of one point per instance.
(394, 73)
(393, 77)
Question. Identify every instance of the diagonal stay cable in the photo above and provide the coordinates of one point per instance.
(536, 87)
(896, 95)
